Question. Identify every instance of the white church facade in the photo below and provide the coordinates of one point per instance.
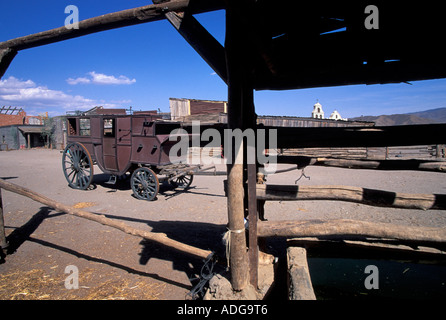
(318, 113)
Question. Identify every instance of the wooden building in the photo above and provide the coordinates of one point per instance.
(181, 108)
(210, 111)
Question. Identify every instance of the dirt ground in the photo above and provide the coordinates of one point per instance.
(114, 265)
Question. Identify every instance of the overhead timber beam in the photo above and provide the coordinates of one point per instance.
(6, 57)
(129, 17)
(201, 40)
(407, 135)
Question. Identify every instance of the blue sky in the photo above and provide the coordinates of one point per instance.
(143, 66)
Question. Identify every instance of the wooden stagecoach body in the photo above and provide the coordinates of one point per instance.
(119, 143)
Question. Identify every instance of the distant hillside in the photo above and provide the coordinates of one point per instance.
(438, 115)
(421, 117)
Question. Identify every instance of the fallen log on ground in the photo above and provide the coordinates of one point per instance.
(160, 238)
(366, 196)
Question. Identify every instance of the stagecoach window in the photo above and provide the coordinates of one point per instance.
(109, 127)
(84, 125)
(72, 128)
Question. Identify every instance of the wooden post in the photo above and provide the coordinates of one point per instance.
(253, 218)
(3, 242)
(240, 116)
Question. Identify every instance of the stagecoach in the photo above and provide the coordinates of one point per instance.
(137, 145)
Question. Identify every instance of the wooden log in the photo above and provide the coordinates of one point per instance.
(240, 115)
(346, 228)
(299, 279)
(238, 259)
(3, 242)
(366, 196)
(367, 249)
(201, 40)
(160, 238)
(6, 57)
(290, 137)
(420, 165)
(148, 13)
(253, 216)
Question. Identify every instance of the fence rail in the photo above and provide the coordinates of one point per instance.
(160, 238)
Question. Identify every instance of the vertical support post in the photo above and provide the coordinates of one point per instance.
(253, 251)
(3, 242)
(240, 116)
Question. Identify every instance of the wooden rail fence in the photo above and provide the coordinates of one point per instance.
(160, 238)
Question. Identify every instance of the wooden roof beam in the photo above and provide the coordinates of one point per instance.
(201, 40)
(149, 13)
(6, 57)
(109, 21)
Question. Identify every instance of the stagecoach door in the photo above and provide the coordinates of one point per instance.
(116, 143)
(109, 144)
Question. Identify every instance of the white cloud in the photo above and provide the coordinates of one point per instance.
(28, 95)
(100, 78)
(77, 80)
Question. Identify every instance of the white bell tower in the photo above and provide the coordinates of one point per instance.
(317, 113)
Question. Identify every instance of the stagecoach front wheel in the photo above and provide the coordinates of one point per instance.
(145, 184)
(77, 166)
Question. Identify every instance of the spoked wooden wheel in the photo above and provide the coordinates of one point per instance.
(183, 182)
(77, 166)
(145, 184)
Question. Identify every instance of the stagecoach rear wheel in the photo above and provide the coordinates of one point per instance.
(145, 184)
(77, 166)
(182, 182)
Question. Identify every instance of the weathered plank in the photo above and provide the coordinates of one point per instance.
(299, 279)
(360, 136)
(366, 196)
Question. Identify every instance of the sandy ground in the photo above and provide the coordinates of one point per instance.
(114, 265)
